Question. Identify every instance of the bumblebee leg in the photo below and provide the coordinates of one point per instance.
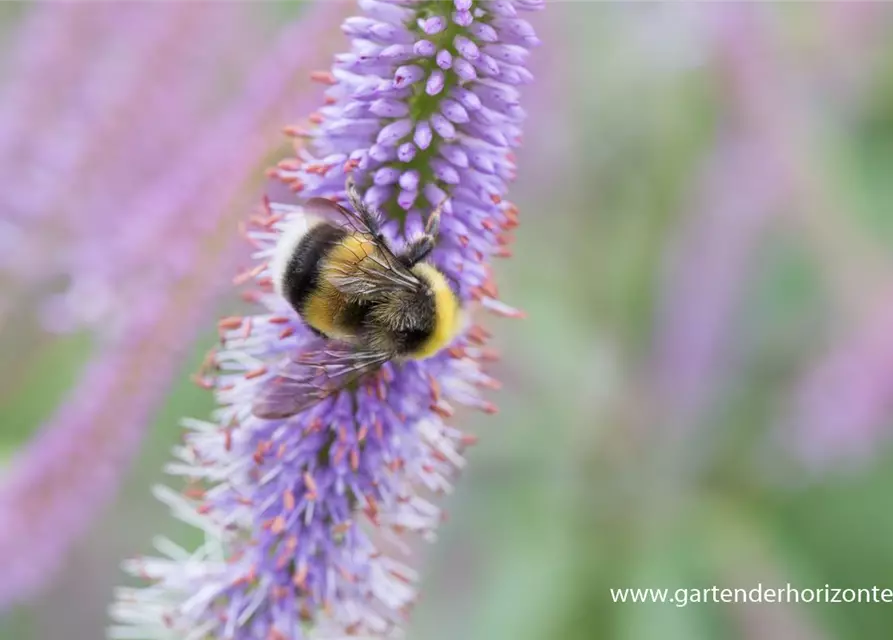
(416, 251)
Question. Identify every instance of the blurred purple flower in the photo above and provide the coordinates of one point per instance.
(73, 467)
(739, 191)
(843, 406)
(843, 402)
(103, 135)
(49, 33)
(287, 504)
(707, 267)
(129, 262)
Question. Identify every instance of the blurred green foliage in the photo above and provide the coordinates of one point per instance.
(30, 397)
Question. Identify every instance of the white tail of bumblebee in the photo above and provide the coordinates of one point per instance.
(296, 227)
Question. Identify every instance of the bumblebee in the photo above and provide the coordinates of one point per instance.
(367, 302)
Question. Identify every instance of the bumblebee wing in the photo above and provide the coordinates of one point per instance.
(376, 272)
(313, 377)
(374, 276)
(326, 208)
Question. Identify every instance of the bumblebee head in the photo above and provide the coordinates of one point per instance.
(419, 249)
(417, 324)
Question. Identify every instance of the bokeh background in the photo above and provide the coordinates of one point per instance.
(702, 393)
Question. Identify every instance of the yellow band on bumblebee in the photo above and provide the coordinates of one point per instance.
(446, 312)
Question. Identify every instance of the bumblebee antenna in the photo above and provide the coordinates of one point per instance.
(368, 215)
(432, 226)
(353, 195)
(420, 248)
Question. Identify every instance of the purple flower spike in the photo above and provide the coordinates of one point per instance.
(373, 30)
(510, 53)
(435, 83)
(454, 111)
(483, 32)
(424, 48)
(463, 18)
(444, 171)
(482, 162)
(386, 175)
(487, 65)
(389, 108)
(407, 198)
(444, 59)
(433, 25)
(410, 74)
(468, 99)
(503, 8)
(380, 153)
(406, 152)
(392, 133)
(513, 75)
(410, 180)
(455, 154)
(434, 194)
(443, 127)
(466, 48)
(377, 195)
(517, 32)
(464, 70)
(423, 135)
(293, 509)
(397, 52)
